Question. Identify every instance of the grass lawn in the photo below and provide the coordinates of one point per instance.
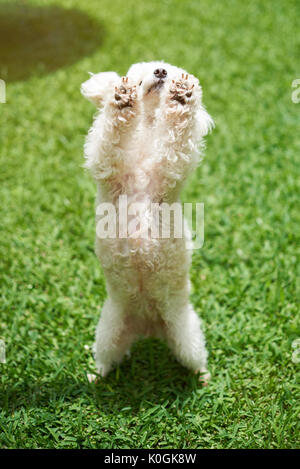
(245, 278)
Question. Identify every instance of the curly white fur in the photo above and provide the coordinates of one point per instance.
(145, 141)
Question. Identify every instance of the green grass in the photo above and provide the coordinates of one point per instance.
(245, 279)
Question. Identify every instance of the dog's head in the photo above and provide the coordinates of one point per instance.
(152, 77)
(151, 80)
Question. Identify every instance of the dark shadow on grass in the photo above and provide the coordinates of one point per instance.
(151, 375)
(37, 40)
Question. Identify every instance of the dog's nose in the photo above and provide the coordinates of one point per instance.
(160, 73)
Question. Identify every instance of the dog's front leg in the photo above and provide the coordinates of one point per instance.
(107, 141)
(181, 124)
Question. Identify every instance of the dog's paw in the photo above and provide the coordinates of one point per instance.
(102, 372)
(125, 95)
(92, 378)
(204, 377)
(182, 90)
(103, 368)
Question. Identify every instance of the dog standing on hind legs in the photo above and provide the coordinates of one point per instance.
(144, 142)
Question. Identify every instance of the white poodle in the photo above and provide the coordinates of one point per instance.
(144, 143)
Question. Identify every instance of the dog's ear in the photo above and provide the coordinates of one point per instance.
(97, 86)
(204, 121)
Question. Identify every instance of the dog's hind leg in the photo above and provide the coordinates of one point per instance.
(186, 339)
(113, 341)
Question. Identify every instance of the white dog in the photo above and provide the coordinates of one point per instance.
(144, 142)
